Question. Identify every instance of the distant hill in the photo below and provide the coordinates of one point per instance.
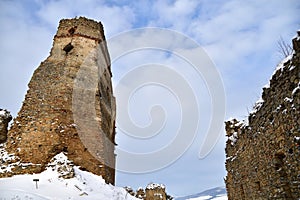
(218, 193)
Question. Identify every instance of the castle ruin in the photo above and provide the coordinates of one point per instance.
(263, 156)
(69, 106)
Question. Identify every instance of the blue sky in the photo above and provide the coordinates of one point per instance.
(240, 37)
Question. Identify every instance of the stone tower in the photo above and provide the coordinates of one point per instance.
(69, 106)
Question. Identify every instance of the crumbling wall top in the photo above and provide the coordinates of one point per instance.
(81, 27)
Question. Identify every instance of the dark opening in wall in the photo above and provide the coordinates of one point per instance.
(278, 160)
(98, 94)
(65, 149)
(68, 47)
(242, 192)
(271, 119)
(83, 168)
(72, 30)
(257, 186)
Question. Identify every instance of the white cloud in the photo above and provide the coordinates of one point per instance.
(174, 14)
(114, 18)
(23, 45)
(241, 28)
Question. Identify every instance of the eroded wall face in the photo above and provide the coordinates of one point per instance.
(263, 157)
(69, 100)
(5, 118)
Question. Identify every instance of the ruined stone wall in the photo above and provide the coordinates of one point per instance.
(263, 156)
(5, 118)
(155, 192)
(69, 106)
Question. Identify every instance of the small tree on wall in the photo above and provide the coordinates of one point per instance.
(284, 48)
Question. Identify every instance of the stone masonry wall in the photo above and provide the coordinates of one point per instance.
(69, 106)
(155, 191)
(263, 156)
(5, 118)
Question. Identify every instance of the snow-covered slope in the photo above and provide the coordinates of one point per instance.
(51, 185)
(218, 193)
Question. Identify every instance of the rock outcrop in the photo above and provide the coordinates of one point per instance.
(263, 156)
(69, 106)
(5, 118)
(155, 191)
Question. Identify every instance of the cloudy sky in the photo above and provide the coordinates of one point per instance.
(240, 37)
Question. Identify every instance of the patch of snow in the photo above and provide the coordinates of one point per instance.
(158, 195)
(231, 158)
(4, 155)
(140, 188)
(240, 123)
(291, 68)
(227, 158)
(218, 193)
(201, 198)
(280, 66)
(2, 112)
(296, 88)
(257, 106)
(73, 125)
(219, 197)
(5, 114)
(155, 185)
(278, 108)
(287, 99)
(233, 138)
(19, 195)
(8, 161)
(267, 85)
(230, 119)
(84, 185)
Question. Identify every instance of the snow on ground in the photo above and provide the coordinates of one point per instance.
(84, 185)
(221, 197)
(218, 193)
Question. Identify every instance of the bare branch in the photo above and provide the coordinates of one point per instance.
(284, 48)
